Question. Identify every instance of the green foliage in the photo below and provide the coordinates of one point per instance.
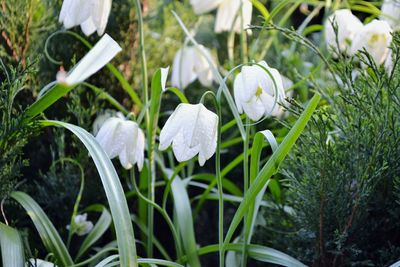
(343, 176)
(14, 134)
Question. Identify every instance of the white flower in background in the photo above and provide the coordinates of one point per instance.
(102, 53)
(228, 13)
(82, 225)
(192, 130)
(347, 26)
(100, 119)
(91, 15)
(122, 138)
(190, 64)
(255, 91)
(389, 62)
(39, 263)
(375, 37)
(390, 12)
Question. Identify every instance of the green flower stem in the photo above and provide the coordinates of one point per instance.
(178, 245)
(220, 191)
(150, 151)
(243, 39)
(245, 185)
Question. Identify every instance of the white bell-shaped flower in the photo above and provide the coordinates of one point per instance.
(122, 138)
(375, 37)
(39, 263)
(102, 53)
(390, 12)
(257, 92)
(91, 15)
(190, 64)
(228, 13)
(82, 225)
(192, 130)
(347, 26)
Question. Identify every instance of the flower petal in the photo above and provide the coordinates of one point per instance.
(203, 6)
(254, 108)
(183, 68)
(164, 77)
(108, 137)
(100, 15)
(88, 26)
(181, 149)
(98, 56)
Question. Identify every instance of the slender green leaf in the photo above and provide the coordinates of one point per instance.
(12, 250)
(179, 94)
(183, 212)
(271, 166)
(107, 260)
(257, 252)
(114, 192)
(48, 99)
(48, 233)
(98, 230)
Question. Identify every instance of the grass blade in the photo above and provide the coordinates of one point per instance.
(48, 233)
(271, 166)
(11, 247)
(185, 220)
(98, 230)
(114, 192)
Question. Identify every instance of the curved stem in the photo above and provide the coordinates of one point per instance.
(245, 186)
(151, 174)
(165, 215)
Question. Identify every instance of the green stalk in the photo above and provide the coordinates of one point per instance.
(243, 38)
(151, 170)
(220, 191)
(245, 185)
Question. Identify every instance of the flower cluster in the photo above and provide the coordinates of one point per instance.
(91, 15)
(230, 13)
(352, 36)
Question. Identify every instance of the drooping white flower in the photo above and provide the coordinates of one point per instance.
(190, 64)
(390, 12)
(257, 93)
(347, 26)
(229, 13)
(104, 50)
(91, 15)
(122, 138)
(100, 119)
(192, 130)
(82, 225)
(39, 263)
(375, 37)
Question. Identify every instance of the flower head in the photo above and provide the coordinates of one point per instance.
(82, 225)
(122, 138)
(347, 27)
(390, 12)
(375, 37)
(189, 65)
(93, 61)
(91, 15)
(228, 13)
(258, 92)
(192, 130)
